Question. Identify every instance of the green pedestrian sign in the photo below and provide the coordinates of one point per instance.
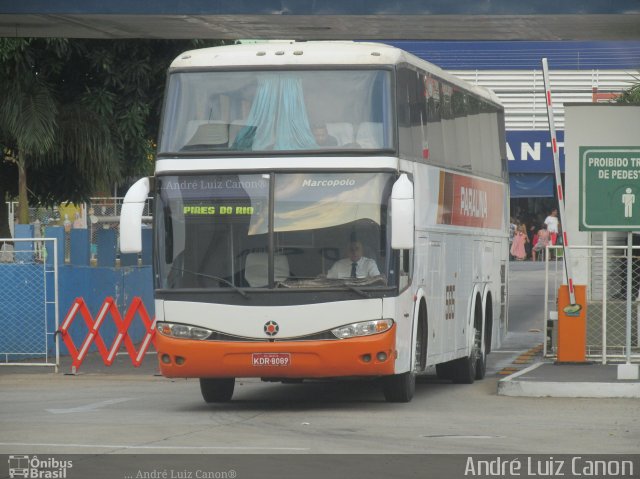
(609, 188)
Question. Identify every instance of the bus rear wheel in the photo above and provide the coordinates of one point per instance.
(465, 370)
(217, 389)
(481, 361)
(445, 370)
(399, 387)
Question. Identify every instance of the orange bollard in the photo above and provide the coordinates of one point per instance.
(572, 326)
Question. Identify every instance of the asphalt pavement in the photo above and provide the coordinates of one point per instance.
(135, 412)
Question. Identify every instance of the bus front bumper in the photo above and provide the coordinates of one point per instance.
(353, 357)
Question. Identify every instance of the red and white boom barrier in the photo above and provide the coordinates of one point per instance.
(556, 168)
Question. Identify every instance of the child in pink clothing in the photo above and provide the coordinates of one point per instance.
(520, 239)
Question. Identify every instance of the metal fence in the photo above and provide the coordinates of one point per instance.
(99, 213)
(606, 301)
(29, 302)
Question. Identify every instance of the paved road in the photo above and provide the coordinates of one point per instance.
(123, 412)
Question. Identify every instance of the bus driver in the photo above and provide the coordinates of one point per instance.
(355, 266)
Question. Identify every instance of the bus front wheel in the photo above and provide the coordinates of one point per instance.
(217, 390)
(399, 387)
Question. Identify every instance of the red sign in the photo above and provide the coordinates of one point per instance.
(467, 201)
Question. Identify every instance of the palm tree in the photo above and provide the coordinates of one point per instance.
(28, 122)
(43, 132)
(79, 115)
(37, 130)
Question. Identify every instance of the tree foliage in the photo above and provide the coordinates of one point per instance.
(80, 115)
(631, 95)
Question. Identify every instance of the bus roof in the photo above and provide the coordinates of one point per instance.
(292, 53)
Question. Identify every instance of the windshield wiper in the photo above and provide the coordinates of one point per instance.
(321, 282)
(217, 278)
(364, 294)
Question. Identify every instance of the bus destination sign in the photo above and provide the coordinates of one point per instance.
(217, 210)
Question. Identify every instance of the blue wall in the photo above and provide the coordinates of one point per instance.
(24, 288)
(96, 284)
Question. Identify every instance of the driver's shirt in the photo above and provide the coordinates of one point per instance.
(365, 267)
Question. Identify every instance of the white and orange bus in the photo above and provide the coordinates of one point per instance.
(325, 210)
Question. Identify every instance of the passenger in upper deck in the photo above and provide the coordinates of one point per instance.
(322, 136)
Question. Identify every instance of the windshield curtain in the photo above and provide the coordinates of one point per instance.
(277, 111)
(214, 231)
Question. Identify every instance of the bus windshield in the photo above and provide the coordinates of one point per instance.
(247, 111)
(323, 230)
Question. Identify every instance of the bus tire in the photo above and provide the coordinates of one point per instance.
(422, 339)
(399, 387)
(464, 370)
(485, 337)
(445, 370)
(481, 359)
(217, 389)
(481, 366)
(480, 355)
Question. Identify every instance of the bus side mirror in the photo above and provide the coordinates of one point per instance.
(131, 217)
(402, 217)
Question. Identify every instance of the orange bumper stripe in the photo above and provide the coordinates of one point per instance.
(308, 359)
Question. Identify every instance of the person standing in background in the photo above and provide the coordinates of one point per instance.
(518, 247)
(553, 225)
(541, 244)
(531, 234)
(512, 232)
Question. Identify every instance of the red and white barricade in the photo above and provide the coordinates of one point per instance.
(108, 308)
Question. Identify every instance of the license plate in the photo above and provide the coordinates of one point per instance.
(271, 359)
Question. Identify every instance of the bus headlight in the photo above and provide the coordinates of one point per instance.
(364, 328)
(183, 331)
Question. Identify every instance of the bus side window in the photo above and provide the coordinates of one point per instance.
(412, 113)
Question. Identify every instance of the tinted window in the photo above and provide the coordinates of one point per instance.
(215, 111)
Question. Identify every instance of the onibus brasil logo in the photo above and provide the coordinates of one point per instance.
(33, 467)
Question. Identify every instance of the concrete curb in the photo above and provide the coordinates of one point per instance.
(528, 383)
